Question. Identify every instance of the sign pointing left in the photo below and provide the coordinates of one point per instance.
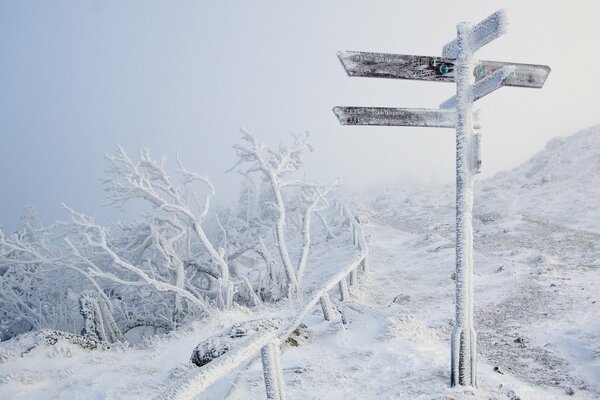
(386, 116)
(397, 66)
(436, 69)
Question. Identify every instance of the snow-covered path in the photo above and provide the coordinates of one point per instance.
(536, 307)
(536, 338)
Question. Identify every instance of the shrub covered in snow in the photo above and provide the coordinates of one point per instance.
(172, 262)
(494, 205)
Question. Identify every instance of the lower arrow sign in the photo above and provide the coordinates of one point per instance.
(385, 116)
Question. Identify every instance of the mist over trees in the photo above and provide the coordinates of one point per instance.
(177, 260)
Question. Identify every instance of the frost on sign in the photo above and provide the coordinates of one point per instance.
(436, 69)
(484, 86)
(394, 117)
(384, 116)
(481, 34)
(525, 75)
(397, 66)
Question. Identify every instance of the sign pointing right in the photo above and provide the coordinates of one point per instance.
(436, 69)
(485, 86)
(481, 34)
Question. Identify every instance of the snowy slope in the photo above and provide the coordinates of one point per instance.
(560, 183)
(537, 301)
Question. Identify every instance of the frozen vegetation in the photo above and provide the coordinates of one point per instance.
(93, 312)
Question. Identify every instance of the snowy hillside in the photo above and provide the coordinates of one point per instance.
(537, 301)
(560, 183)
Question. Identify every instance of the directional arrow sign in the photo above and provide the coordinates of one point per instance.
(437, 69)
(398, 66)
(481, 34)
(485, 86)
(525, 75)
(384, 116)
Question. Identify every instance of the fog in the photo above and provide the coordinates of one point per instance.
(77, 77)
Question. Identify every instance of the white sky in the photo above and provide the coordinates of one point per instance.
(76, 77)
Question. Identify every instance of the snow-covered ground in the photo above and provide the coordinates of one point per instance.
(537, 281)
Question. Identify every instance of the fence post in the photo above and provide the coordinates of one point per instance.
(272, 371)
(326, 306)
(344, 294)
(354, 277)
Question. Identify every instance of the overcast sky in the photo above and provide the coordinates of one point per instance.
(76, 77)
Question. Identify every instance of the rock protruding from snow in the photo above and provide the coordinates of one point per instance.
(211, 348)
(26, 342)
(238, 334)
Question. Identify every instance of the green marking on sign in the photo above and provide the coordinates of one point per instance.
(443, 69)
(479, 72)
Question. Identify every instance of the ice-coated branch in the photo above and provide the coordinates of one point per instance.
(312, 195)
(274, 165)
(148, 180)
(96, 237)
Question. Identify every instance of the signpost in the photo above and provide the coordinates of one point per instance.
(474, 80)
(437, 69)
(384, 116)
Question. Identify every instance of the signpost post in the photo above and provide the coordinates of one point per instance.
(474, 80)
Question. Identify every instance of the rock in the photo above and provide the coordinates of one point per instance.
(26, 342)
(210, 349)
(512, 395)
(215, 346)
(569, 390)
(401, 299)
(242, 329)
(300, 336)
(52, 337)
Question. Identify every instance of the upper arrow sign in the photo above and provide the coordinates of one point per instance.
(398, 66)
(481, 34)
(437, 69)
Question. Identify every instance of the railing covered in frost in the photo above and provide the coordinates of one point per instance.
(268, 343)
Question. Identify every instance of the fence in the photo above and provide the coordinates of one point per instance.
(268, 343)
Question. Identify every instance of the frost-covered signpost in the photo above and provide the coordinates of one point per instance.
(474, 79)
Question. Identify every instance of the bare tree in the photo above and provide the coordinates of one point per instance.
(148, 180)
(276, 166)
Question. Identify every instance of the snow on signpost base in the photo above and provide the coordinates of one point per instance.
(463, 357)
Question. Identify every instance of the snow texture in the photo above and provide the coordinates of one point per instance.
(537, 286)
(481, 34)
(485, 86)
(463, 350)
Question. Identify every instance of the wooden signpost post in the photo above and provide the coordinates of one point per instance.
(474, 80)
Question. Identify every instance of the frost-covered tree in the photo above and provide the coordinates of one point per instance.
(39, 280)
(147, 179)
(276, 167)
(172, 261)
